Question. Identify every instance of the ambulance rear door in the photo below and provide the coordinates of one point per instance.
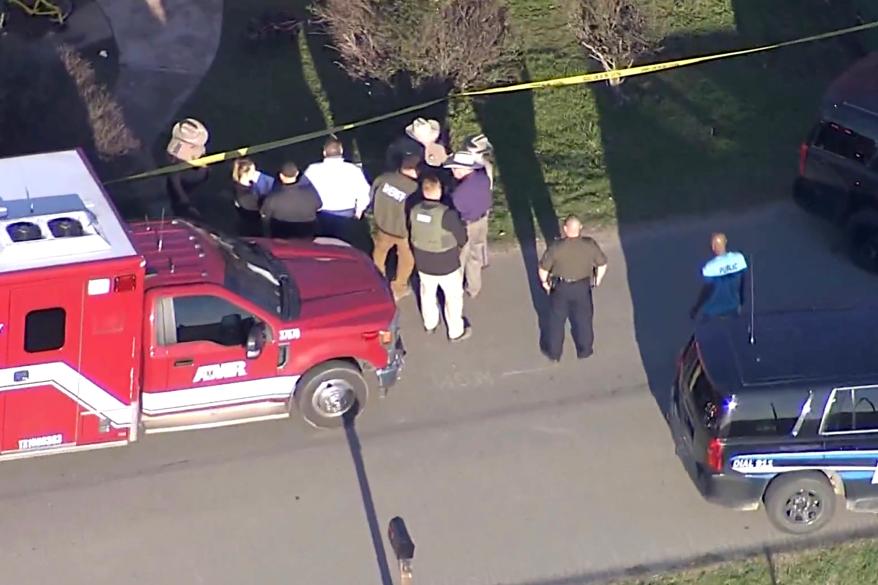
(40, 380)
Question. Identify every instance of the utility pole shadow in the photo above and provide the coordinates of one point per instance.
(772, 571)
(368, 503)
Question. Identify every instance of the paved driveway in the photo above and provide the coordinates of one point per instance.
(507, 470)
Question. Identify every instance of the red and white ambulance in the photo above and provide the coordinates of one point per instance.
(108, 329)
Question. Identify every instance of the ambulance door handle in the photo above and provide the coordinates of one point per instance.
(181, 363)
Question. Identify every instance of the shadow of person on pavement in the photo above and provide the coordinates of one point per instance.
(368, 503)
(508, 121)
(705, 138)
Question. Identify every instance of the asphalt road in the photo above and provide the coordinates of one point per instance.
(506, 469)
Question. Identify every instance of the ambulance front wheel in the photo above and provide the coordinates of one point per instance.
(331, 394)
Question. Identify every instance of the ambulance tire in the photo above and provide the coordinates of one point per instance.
(331, 394)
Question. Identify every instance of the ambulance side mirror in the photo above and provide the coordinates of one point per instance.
(256, 340)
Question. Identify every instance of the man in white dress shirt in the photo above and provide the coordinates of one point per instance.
(344, 193)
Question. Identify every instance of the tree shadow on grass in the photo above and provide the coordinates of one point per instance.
(508, 120)
(40, 104)
(254, 92)
(351, 100)
(714, 136)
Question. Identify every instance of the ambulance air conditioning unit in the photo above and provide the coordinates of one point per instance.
(65, 227)
(24, 231)
(41, 228)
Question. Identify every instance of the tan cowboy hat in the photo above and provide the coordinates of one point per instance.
(423, 130)
(188, 140)
(435, 154)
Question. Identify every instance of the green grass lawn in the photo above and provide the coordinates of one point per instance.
(688, 141)
(848, 564)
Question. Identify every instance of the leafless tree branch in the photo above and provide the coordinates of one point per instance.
(615, 33)
(456, 42)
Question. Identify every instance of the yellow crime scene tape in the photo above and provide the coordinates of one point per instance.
(557, 82)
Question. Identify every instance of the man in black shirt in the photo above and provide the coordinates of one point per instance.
(568, 270)
(291, 210)
(437, 234)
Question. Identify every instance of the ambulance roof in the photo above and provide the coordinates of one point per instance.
(53, 212)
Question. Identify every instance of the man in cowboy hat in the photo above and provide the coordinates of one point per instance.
(481, 147)
(472, 199)
(188, 143)
(421, 138)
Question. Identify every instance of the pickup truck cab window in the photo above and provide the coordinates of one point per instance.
(206, 318)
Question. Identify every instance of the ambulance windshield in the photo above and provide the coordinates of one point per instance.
(254, 274)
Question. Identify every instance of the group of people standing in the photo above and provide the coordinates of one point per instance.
(431, 207)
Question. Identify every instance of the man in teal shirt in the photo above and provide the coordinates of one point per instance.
(724, 279)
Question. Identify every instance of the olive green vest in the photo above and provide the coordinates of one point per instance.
(427, 231)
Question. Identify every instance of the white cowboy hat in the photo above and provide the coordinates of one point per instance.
(424, 130)
(478, 143)
(463, 160)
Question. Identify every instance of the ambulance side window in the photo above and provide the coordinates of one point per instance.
(44, 330)
(208, 318)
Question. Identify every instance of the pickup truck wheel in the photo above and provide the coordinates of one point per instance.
(330, 394)
(800, 503)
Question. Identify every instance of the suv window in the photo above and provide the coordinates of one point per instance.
(845, 142)
(766, 415)
(703, 397)
(852, 410)
(210, 318)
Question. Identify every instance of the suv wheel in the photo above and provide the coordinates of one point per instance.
(331, 394)
(800, 503)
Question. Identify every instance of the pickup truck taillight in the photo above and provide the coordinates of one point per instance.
(715, 455)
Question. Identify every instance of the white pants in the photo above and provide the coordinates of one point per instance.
(452, 288)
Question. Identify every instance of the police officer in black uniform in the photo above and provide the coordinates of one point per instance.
(568, 270)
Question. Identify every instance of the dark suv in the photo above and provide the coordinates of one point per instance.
(788, 422)
(838, 166)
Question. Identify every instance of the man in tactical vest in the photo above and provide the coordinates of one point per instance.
(391, 195)
(437, 234)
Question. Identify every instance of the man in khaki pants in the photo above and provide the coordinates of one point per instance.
(472, 199)
(390, 194)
